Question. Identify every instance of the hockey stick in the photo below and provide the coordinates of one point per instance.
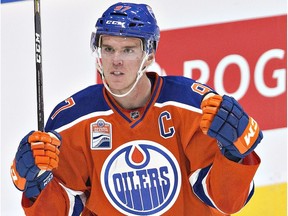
(38, 58)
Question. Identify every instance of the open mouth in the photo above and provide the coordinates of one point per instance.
(116, 73)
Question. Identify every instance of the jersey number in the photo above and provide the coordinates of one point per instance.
(70, 102)
(122, 8)
(199, 88)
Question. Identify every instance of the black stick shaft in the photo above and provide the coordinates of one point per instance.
(38, 60)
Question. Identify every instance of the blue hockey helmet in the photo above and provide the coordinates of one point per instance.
(128, 20)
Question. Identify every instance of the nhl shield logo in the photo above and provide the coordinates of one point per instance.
(141, 177)
(101, 135)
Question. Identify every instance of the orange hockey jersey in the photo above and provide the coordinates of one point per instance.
(149, 161)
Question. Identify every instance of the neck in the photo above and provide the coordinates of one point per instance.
(138, 97)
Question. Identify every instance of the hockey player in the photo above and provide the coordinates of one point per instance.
(138, 144)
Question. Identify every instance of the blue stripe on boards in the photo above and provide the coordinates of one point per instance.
(9, 1)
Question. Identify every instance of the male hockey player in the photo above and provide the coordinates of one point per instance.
(138, 144)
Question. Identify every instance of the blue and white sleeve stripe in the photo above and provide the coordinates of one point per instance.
(77, 200)
(200, 189)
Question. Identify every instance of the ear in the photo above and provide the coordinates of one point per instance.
(150, 59)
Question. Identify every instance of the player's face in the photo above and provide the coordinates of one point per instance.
(121, 60)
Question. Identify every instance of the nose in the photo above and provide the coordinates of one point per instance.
(117, 59)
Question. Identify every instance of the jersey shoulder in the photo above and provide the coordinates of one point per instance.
(84, 102)
(183, 90)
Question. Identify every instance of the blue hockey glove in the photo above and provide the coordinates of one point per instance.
(224, 119)
(36, 156)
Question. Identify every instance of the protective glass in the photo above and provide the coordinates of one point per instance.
(123, 54)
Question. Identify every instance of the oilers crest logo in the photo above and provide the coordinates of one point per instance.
(141, 178)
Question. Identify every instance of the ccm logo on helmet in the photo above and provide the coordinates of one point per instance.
(115, 22)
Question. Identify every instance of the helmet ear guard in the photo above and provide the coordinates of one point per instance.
(92, 42)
